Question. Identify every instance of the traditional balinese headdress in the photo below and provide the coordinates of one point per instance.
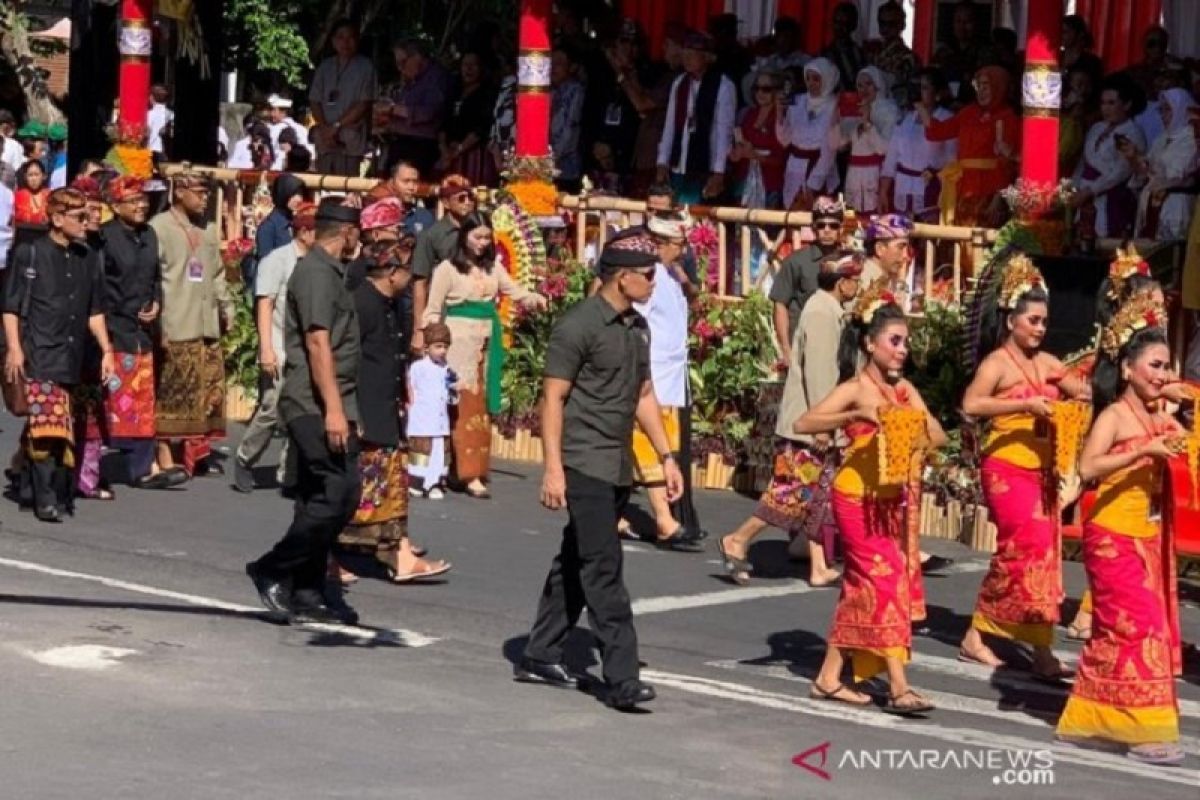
(828, 208)
(871, 299)
(1020, 277)
(1127, 264)
(1140, 312)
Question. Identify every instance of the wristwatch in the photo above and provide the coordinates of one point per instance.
(665, 457)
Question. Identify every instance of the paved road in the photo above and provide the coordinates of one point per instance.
(136, 666)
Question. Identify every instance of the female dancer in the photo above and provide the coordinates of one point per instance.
(1013, 389)
(1125, 690)
(881, 587)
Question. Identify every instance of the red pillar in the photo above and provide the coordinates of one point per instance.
(135, 47)
(924, 20)
(533, 79)
(1041, 92)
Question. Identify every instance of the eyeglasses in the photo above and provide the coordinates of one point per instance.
(79, 216)
(465, 197)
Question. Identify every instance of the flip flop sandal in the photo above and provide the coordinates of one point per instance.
(967, 658)
(1056, 678)
(1161, 754)
(923, 706)
(817, 693)
(1079, 634)
(738, 569)
(441, 569)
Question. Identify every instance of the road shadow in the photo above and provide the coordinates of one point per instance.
(167, 608)
(579, 655)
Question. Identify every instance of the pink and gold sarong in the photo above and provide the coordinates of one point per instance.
(1125, 688)
(882, 592)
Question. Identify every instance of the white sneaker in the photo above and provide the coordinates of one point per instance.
(415, 492)
(435, 494)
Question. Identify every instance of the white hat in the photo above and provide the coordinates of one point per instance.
(669, 228)
(276, 101)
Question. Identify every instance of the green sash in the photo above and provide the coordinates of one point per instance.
(485, 309)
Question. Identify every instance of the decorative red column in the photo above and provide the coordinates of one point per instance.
(924, 21)
(533, 79)
(136, 43)
(1041, 91)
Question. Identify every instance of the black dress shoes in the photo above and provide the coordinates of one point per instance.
(934, 564)
(47, 514)
(309, 606)
(530, 671)
(272, 593)
(629, 694)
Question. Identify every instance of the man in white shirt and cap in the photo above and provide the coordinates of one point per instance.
(158, 119)
(666, 313)
(280, 110)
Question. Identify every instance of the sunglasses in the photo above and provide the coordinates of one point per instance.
(461, 198)
(827, 226)
(79, 216)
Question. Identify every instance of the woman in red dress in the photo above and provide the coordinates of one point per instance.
(989, 141)
(32, 195)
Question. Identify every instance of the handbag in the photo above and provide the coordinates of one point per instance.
(15, 398)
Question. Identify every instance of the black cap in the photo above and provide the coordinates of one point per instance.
(332, 210)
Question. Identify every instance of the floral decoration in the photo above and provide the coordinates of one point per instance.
(1020, 277)
(1127, 264)
(1139, 313)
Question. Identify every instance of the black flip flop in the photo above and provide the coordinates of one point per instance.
(924, 707)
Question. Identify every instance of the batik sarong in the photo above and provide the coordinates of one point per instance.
(471, 434)
(382, 516)
(190, 397)
(1022, 591)
(794, 479)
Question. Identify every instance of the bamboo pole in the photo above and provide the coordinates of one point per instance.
(722, 260)
(746, 231)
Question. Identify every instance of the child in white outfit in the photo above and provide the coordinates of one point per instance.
(431, 392)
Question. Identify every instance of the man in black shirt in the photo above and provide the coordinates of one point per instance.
(597, 382)
(380, 527)
(133, 293)
(52, 299)
(319, 404)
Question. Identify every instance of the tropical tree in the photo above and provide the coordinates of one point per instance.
(16, 48)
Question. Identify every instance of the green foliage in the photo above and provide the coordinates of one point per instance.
(730, 354)
(269, 31)
(241, 346)
(936, 366)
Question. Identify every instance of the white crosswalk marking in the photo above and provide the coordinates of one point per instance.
(945, 701)
(393, 636)
(969, 737)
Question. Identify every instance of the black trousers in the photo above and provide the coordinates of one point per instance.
(684, 508)
(327, 491)
(588, 571)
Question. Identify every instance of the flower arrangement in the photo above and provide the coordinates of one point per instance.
(233, 252)
(871, 299)
(129, 154)
(529, 182)
(706, 244)
(1028, 199)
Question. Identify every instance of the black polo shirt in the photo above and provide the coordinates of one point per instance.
(434, 245)
(54, 290)
(318, 300)
(605, 355)
(132, 281)
(381, 367)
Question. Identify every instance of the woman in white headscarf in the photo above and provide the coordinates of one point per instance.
(1166, 173)
(867, 136)
(810, 132)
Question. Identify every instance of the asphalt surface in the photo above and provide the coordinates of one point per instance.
(136, 665)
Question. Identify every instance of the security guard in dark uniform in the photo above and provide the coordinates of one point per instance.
(597, 380)
(318, 404)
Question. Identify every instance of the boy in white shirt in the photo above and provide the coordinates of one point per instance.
(431, 392)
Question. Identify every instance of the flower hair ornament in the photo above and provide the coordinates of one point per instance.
(871, 299)
(1020, 277)
(1127, 264)
(1139, 313)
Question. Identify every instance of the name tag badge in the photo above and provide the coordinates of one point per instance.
(612, 116)
(195, 270)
